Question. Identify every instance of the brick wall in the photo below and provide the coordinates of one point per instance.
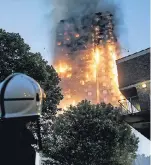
(134, 70)
(144, 96)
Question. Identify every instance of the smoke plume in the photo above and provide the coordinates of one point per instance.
(64, 9)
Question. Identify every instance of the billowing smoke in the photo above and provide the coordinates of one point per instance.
(64, 9)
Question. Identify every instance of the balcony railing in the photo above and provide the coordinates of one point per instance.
(130, 105)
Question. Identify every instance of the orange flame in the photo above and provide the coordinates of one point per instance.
(64, 70)
(97, 56)
(94, 77)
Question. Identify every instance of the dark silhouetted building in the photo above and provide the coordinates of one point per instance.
(134, 83)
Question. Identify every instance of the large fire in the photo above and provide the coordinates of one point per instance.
(89, 74)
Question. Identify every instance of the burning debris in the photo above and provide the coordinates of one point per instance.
(85, 59)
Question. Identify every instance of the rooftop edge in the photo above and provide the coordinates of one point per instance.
(134, 55)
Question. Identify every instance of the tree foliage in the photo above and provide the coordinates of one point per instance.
(89, 134)
(15, 56)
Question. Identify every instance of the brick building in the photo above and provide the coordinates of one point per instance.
(134, 83)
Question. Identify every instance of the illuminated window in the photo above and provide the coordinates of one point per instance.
(104, 91)
(89, 93)
(82, 82)
(68, 96)
(77, 35)
(59, 43)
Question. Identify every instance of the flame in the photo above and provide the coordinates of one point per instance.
(63, 70)
(97, 56)
(82, 82)
(90, 74)
(69, 75)
(99, 70)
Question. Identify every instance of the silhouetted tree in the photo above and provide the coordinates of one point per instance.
(89, 134)
(15, 56)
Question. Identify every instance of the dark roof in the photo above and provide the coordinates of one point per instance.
(142, 52)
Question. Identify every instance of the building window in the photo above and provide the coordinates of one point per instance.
(89, 93)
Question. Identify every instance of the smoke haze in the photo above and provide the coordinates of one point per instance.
(64, 9)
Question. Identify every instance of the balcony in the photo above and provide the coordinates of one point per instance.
(136, 117)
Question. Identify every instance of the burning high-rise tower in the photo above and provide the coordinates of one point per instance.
(86, 50)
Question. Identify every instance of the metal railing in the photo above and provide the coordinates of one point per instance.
(130, 105)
